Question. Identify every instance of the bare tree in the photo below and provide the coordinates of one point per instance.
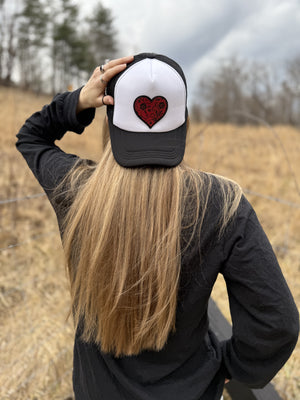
(239, 88)
(293, 87)
(8, 38)
(31, 41)
(1, 36)
(223, 92)
(260, 92)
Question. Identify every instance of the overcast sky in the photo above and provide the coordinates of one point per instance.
(199, 33)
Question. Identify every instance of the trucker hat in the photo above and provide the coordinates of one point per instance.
(148, 120)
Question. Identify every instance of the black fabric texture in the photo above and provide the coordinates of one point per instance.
(151, 148)
(193, 364)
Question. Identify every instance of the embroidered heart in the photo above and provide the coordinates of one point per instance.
(149, 110)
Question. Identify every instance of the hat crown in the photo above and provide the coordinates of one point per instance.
(151, 78)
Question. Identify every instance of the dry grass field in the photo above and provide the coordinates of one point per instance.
(35, 339)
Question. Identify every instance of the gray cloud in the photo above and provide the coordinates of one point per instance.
(198, 33)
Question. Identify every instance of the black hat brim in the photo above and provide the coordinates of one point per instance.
(133, 149)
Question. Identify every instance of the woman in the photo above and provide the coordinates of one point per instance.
(145, 237)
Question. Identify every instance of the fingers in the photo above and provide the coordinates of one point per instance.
(111, 72)
(104, 73)
(118, 61)
(107, 100)
(103, 81)
(94, 92)
(113, 67)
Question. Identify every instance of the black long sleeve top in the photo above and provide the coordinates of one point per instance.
(193, 364)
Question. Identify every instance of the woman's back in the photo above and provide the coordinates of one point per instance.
(193, 226)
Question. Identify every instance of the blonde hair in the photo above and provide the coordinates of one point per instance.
(123, 245)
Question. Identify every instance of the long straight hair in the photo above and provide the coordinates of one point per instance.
(122, 242)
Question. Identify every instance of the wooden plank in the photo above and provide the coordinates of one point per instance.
(238, 391)
(267, 393)
(223, 330)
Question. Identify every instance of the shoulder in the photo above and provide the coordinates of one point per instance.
(215, 199)
(223, 196)
(221, 185)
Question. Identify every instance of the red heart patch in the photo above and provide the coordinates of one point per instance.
(149, 110)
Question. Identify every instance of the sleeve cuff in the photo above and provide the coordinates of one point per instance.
(77, 122)
(224, 368)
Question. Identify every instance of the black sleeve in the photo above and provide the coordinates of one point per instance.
(264, 316)
(36, 138)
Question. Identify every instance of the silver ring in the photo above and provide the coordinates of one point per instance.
(103, 81)
(102, 68)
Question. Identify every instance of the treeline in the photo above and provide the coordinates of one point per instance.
(48, 45)
(245, 92)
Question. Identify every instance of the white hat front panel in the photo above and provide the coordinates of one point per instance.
(152, 80)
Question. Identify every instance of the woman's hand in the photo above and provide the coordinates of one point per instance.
(93, 93)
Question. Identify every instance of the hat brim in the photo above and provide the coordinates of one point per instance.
(135, 149)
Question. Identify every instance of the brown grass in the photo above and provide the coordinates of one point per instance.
(35, 341)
